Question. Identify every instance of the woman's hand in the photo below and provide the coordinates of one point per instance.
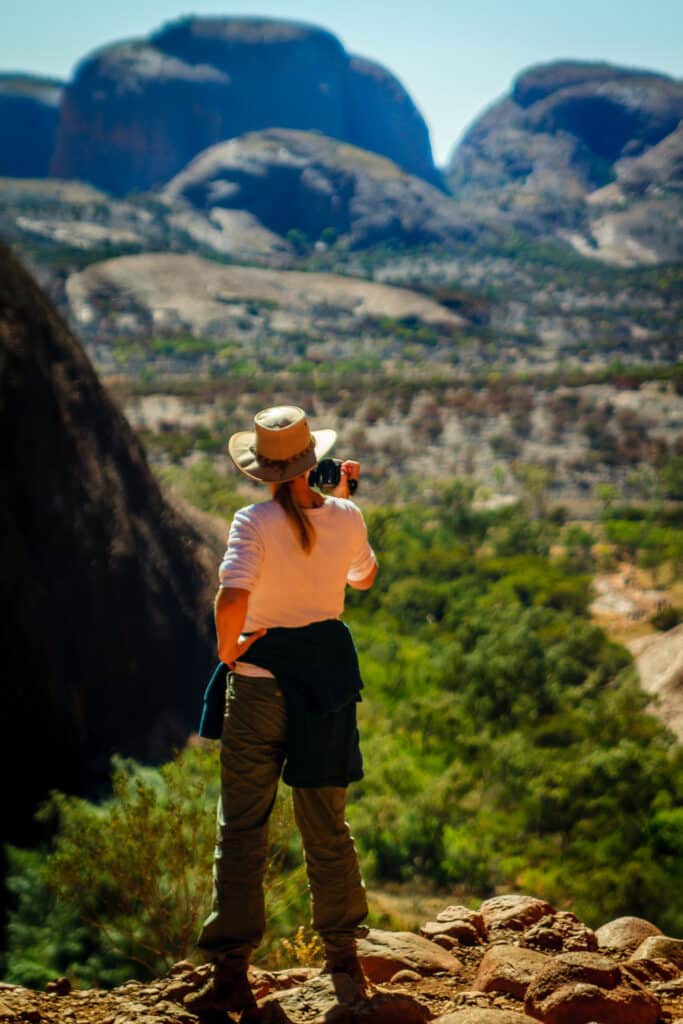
(230, 611)
(235, 653)
(350, 470)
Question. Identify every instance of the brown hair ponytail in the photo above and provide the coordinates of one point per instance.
(303, 528)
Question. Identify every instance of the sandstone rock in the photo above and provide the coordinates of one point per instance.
(509, 969)
(461, 923)
(577, 988)
(384, 953)
(660, 947)
(560, 931)
(625, 933)
(136, 112)
(513, 912)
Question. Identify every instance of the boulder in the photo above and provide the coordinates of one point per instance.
(625, 933)
(509, 969)
(456, 922)
(660, 947)
(136, 112)
(578, 988)
(560, 931)
(384, 953)
(513, 912)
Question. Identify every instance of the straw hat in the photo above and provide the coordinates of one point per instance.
(281, 446)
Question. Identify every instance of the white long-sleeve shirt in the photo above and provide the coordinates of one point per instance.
(287, 586)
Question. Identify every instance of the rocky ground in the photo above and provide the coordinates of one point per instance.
(514, 959)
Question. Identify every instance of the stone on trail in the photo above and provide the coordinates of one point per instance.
(513, 912)
(625, 933)
(562, 931)
(660, 947)
(580, 988)
(383, 954)
(461, 923)
(509, 969)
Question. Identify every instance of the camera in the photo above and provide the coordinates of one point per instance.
(327, 475)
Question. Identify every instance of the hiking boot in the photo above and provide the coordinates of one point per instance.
(227, 989)
(348, 964)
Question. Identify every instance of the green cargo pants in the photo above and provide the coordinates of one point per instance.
(252, 754)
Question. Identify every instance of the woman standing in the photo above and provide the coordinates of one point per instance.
(291, 698)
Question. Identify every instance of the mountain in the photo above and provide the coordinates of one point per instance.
(106, 635)
(29, 112)
(589, 153)
(306, 182)
(136, 112)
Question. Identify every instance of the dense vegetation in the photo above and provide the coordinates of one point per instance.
(506, 747)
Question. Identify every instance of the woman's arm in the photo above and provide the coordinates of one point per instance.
(365, 583)
(230, 612)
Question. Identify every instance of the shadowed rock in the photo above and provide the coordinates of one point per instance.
(106, 633)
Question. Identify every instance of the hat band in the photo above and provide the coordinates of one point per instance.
(283, 463)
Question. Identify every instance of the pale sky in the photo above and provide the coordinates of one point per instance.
(454, 58)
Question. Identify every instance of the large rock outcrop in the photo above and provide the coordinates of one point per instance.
(167, 294)
(137, 112)
(29, 112)
(105, 629)
(314, 184)
(591, 150)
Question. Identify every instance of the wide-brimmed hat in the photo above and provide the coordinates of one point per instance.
(281, 446)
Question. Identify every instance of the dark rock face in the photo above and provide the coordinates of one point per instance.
(29, 111)
(105, 632)
(137, 112)
(308, 182)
